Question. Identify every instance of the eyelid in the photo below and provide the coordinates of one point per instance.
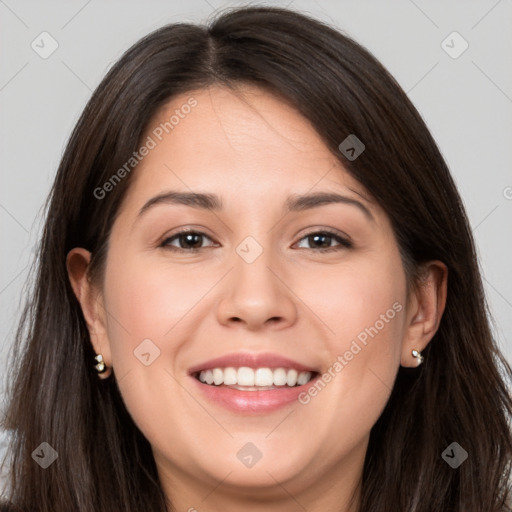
(331, 231)
(183, 231)
(344, 241)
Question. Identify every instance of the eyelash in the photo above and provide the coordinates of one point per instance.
(344, 243)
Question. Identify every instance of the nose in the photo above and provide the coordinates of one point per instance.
(257, 295)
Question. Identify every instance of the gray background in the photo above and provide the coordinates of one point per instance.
(465, 101)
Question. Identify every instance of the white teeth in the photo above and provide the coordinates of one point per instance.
(291, 378)
(249, 377)
(245, 376)
(279, 377)
(230, 376)
(263, 377)
(303, 378)
(208, 377)
(218, 376)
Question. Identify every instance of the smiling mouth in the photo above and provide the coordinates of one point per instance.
(254, 379)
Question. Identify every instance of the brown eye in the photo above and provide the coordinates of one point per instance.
(319, 241)
(188, 241)
(325, 238)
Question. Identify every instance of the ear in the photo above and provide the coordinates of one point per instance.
(91, 302)
(424, 311)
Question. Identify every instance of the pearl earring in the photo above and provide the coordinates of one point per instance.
(418, 356)
(101, 367)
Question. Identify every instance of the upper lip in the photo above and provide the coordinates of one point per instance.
(251, 360)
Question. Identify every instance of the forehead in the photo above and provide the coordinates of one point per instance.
(243, 143)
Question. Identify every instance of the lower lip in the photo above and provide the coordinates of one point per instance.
(252, 401)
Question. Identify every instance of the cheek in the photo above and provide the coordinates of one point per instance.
(149, 300)
(146, 307)
(355, 388)
(362, 308)
(147, 327)
(355, 301)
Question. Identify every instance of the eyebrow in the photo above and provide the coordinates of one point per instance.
(294, 203)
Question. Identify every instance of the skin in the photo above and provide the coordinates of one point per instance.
(253, 150)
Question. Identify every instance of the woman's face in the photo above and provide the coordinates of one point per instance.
(251, 281)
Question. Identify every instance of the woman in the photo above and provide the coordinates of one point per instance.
(253, 369)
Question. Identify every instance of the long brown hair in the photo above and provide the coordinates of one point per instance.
(458, 395)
